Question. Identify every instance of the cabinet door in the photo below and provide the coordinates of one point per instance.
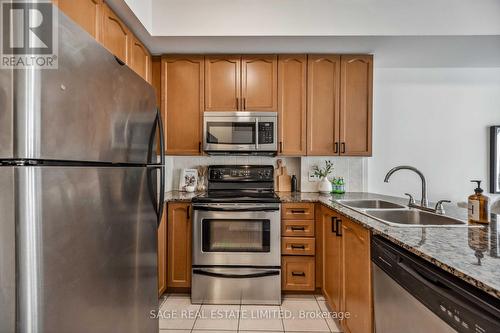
(182, 99)
(86, 13)
(115, 35)
(259, 83)
(162, 255)
(357, 297)
(156, 80)
(356, 105)
(140, 59)
(222, 83)
(179, 245)
(332, 260)
(292, 93)
(323, 89)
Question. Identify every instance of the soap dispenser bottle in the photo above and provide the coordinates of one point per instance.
(479, 205)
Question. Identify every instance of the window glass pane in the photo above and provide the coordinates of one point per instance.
(231, 133)
(236, 235)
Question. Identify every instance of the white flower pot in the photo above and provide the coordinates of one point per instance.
(325, 186)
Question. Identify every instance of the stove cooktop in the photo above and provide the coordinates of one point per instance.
(238, 196)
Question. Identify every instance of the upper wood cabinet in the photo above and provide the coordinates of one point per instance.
(259, 83)
(222, 83)
(162, 255)
(182, 89)
(235, 83)
(356, 278)
(179, 245)
(115, 35)
(356, 105)
(292, 84)
(323, 89)
(140, 59)
(156, 79)
(86, 13)
(332, 259)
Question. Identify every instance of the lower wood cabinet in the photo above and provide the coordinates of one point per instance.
(297, 273)
(347, 283)
(356, 278)
(162, 255)
(332, 259)
(179, 245)
(297, 246)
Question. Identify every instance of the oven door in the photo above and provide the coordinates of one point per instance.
(236, 235)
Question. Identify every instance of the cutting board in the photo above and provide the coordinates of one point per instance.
(283, 180)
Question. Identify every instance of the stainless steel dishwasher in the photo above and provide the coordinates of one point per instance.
(414, 296)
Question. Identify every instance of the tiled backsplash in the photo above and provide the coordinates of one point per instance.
(353, 169)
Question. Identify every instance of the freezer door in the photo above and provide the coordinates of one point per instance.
(6, 139)
(86, 249)
(92, 108)
(7, 251)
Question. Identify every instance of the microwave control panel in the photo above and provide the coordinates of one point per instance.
(266, 132)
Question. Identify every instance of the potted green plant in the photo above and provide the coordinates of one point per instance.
(324, 185)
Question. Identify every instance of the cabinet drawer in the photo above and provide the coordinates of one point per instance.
(297, 246)
(297, 228)
(297, 273)
(297, 211)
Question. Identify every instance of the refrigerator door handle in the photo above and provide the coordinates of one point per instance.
(157, 204)
(161, 203)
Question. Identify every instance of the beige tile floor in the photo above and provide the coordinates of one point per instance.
(184, 317)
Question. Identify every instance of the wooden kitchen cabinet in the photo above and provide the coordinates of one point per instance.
(297, 273)
(222, 83)
(115, 35)
(323, 102)
(156, 80)
(332, 259)
(179, 245)
(259, 83)
(140, 59)
(182, 89)
(86, 13)
(356, 278)
(241, 83)
(356, 105)
(162, 255)
(297, 211)
(292, 104)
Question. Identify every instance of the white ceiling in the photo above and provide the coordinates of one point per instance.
(411, 33)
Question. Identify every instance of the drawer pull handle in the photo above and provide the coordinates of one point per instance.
(298, 274)
(298, 247)
(302, 211)
(298, 228)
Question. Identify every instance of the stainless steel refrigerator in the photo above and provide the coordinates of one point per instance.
(79, 200)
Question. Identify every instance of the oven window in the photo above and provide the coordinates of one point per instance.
(231, 133)
(220, 235)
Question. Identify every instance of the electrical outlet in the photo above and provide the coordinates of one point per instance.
(313, 177)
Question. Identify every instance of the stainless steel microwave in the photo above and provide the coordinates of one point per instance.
(241, 132)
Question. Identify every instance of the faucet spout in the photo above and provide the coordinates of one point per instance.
(423, 201)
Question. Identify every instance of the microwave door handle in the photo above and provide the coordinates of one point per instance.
(256, 133)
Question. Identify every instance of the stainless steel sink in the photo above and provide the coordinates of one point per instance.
(413, 217)
(370, 204)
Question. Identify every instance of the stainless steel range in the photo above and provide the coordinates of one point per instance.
(236, 238)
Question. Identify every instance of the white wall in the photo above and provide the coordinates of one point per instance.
(324, 17)
(435, 119)
(143, 10)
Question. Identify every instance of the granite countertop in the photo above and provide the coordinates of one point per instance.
(470, 253)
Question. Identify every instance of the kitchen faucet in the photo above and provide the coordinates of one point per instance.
(424, 204)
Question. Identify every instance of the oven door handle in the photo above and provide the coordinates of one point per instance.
(236, 209)
(236, 276)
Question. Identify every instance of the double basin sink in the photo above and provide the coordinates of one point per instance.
(398, 215)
